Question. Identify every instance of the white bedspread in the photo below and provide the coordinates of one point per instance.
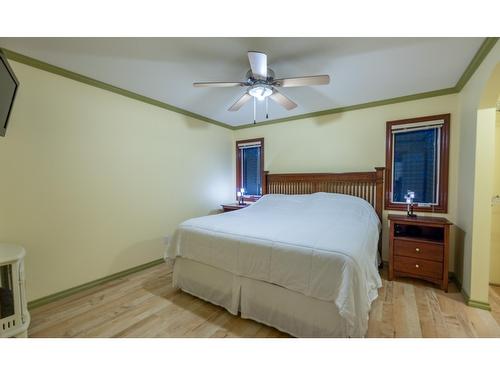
(322, 245)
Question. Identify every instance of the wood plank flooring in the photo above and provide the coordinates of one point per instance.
(145, 305)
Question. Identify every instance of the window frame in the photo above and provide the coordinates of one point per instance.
(249, 198)
(444, 155)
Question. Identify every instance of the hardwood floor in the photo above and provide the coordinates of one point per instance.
(495, 302)
(145, 305)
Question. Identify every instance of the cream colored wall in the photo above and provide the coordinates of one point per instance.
(351, 141)
(91, 181)
(476, 259)
(483, 191)
(495, 212)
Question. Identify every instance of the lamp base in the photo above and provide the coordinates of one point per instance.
(409, 210)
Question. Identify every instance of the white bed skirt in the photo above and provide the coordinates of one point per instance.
(286, 310)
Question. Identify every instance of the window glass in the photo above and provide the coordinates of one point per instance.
(251, 176)
(415, 165)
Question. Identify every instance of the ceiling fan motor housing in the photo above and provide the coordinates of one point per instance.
(252, 80)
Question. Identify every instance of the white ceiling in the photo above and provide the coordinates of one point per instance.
(361, 69)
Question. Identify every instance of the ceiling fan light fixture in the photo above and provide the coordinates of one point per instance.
(260, 92)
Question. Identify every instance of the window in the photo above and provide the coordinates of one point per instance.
(249, 167)
(417, 160)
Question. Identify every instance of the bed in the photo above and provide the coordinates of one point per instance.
(302, 259)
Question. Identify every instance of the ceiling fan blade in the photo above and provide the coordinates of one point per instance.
(258, 64)
(219, 84)
(302, 81)
(282, 100)
(240, 102)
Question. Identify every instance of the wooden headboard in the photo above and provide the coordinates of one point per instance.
(366, 185)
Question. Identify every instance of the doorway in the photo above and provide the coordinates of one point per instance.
(495, 209)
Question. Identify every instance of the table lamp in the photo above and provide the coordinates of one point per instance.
(240, 194)
(410, 196)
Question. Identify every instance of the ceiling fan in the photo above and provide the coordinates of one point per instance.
(261, 84)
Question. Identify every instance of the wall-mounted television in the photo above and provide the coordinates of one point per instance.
(8, 89)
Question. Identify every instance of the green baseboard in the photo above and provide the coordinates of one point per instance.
(468, 301)
(479, 305)
(473, 303)
(68, 292)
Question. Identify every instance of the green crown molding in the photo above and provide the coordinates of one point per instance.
(478, 58)
(11, 55)
(80, 288)
(476, 61)
(378, 103)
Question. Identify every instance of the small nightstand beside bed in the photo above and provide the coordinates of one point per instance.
(419, 247)
(300, 259)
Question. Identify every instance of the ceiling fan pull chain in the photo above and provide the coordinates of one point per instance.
(254, 110)
(267, 108)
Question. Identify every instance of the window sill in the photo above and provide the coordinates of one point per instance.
(402, 207)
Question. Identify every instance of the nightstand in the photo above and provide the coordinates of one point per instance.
(419, 247)
(233, 207)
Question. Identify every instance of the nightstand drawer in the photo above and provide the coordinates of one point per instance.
(417, 249)
(418, 267)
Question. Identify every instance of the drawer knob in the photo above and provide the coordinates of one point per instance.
(417, 250)
(417, 266)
